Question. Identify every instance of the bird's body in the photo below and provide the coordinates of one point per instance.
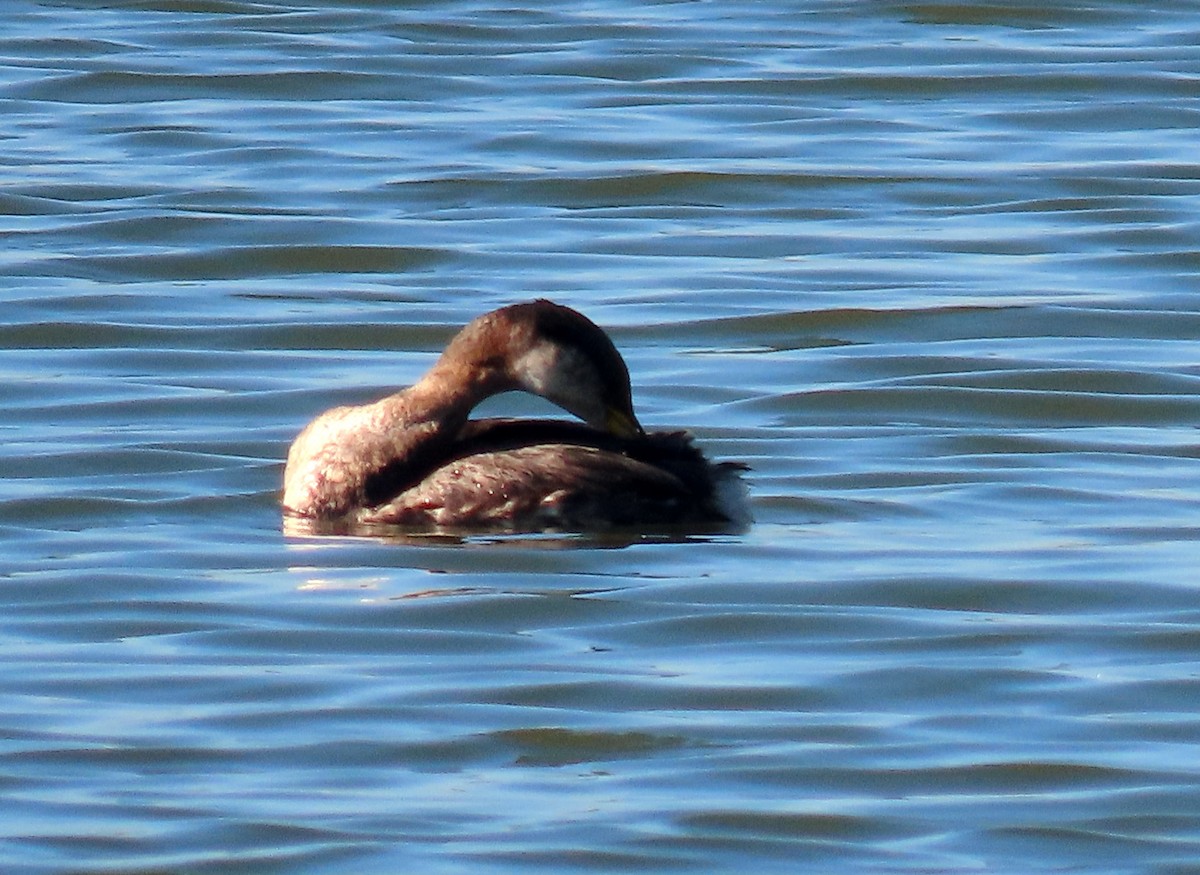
(414, 460)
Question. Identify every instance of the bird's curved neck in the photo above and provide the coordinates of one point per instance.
(448, 392)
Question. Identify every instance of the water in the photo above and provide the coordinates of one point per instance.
(929, 268)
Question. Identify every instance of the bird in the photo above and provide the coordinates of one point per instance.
(416, 461)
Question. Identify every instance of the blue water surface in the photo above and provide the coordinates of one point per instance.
(930, 269)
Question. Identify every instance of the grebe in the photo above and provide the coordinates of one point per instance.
(414, 460)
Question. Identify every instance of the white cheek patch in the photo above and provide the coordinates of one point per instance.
(537, 369)
(562, 377)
